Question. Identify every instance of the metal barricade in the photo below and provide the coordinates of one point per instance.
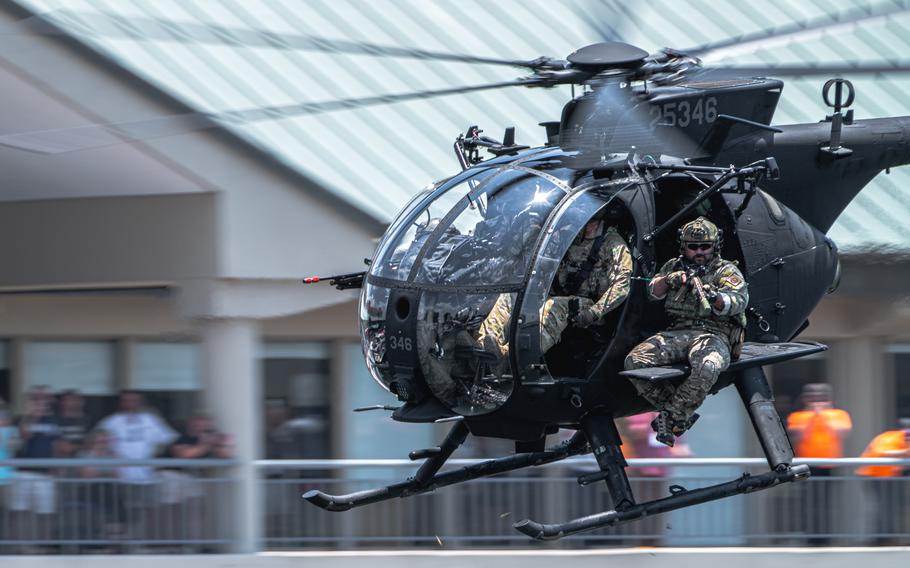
(834, 507)
(114, 506)
(89, 506)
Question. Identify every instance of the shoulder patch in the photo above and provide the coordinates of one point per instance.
(731, 280)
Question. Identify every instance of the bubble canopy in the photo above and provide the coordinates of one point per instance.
(437, 305)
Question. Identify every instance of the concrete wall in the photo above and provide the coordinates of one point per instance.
(107, 241)
(271, 221)
(96, 316)
(634, 558)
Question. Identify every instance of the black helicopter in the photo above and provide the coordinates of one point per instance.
(648, 144)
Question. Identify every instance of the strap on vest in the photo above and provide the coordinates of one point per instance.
(574, 284)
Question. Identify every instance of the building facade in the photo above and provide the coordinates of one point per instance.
(172, 265)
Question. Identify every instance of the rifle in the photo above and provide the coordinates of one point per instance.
(341, 281)
(693, 281)
(699, 288)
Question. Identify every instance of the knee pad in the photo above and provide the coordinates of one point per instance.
(707, 368)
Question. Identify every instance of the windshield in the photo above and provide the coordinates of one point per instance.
(488, 237)
(395, 256)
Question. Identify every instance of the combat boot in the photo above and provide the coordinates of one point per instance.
(663, 425)
(680, 427)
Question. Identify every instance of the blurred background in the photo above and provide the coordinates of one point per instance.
(151, 305)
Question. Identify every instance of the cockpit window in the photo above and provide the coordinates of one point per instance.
(412, 227)
(490, 240)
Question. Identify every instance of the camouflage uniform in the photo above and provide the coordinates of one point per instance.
(604, 288)
(699, 333)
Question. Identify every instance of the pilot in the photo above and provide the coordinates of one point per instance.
(592, 280)
(705, 297)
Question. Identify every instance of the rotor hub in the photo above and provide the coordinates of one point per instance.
(607, 55)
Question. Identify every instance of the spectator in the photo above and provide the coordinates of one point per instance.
(182, 495)
(290, 437)
(137, 433)
(818, 431)
(201, 440)
(34, 498)
(890, 499)
(74, 424)
(286, 438)
(98, 445)
(105, 510)
(9, 442)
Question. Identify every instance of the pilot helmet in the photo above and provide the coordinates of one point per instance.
(701, 231)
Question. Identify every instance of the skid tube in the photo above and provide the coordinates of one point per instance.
(427, 479)
(680, 498)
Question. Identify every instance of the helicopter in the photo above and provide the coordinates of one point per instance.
(648, 145)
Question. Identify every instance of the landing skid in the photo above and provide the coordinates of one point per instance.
(756, 395)
(427, 479)
(598, 434)
(680, 498)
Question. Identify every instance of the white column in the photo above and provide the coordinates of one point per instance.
(232, 392)
(856, 370)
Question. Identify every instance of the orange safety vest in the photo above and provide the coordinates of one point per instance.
(820, 437)
(879, 446)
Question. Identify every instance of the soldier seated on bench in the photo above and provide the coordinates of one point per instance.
(592, 280)
(705, 297)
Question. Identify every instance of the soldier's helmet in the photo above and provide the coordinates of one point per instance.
(700, 231)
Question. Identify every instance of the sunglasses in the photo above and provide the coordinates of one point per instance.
(700, 246)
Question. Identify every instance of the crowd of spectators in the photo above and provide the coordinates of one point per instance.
(94, 501)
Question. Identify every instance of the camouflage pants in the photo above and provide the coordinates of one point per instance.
(708, 355)
(554, 318)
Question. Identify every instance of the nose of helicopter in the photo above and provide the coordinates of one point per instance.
(437, 304)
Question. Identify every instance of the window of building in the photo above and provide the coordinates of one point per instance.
(296, 392)
(901, 354)
(168, 374)
(85, 366)
(789, 378)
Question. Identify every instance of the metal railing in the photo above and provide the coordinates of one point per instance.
(91, 506)
(114, 506)
(834, 507)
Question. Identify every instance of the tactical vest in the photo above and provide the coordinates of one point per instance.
(576, 267)
(684, 307)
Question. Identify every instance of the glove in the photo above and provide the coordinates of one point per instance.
(710, 293)
(675, 279)
(585, 318)
(580, 313)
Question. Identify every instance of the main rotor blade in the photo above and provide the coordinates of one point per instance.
(62, 140)
(811, 70)
(64, 22)
(797, 31)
